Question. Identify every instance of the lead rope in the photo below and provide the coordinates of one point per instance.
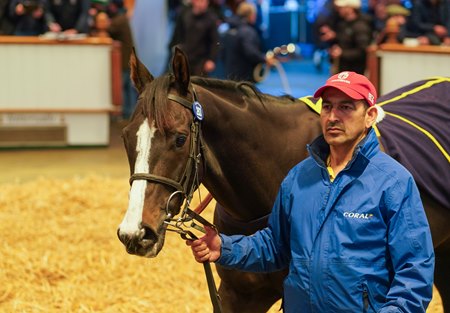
(186, 234)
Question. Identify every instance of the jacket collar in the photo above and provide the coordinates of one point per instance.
(367, 148)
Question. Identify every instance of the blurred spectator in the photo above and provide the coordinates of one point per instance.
(242, 45)
(174, 7)
(396, 16)
(6, 25)
(377, 9)
(28, 17)
(218, 7)
(100, 26)
(430, 22)
(196, 34)
(120, 30)
(96, 6)
(379, 15)
(233, 4)
(68, 16)
(350, 38)
(323, 33)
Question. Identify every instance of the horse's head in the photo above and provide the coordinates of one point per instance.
(162, 143)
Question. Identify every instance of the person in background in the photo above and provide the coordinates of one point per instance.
(397, 14)
(196, 34)
(6, 24)
(120, 30)
(68, 16)
(430, 22)
(242, 45)
(377, 10)
(348, 220)
(323, 33)
(350, 38)
(28, 17)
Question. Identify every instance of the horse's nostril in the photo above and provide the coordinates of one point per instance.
(149, 234)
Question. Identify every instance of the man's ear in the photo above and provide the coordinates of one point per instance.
(371, 116)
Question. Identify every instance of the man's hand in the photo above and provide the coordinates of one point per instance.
(335, 52)
(206, 248)
(209, 66)
(440, 31)
(326, 33)
(271, 60)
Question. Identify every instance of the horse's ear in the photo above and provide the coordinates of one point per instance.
(180, 68)
(140, 76)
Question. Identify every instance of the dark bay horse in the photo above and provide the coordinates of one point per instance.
(237, 142)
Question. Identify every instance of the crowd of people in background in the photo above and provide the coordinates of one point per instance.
(36, 17)
(228, 33)
(344, 31)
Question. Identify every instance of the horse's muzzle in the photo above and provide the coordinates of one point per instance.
(143, 242)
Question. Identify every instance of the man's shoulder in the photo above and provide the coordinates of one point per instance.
(384, 163)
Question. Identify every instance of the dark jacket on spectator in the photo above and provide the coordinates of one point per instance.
(197, 36)
(27, 24)
(69, 14)
(353, 37)
(6, 25)
(425, 15)
(241, 50)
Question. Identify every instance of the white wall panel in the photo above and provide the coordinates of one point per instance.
(50, 76)
(399, 69)
(66, 83)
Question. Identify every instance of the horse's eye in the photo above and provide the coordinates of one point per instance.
(179, 142)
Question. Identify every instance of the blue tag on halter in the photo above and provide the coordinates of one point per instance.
(197, 110)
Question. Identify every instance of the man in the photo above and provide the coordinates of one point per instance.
(196, 33)
(430, 22)
(68, 16)
(350, 37)
(242, 45)
(347, 221)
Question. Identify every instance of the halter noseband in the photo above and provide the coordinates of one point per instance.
(190, 173)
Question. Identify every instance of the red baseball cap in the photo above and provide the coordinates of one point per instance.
(354, 85)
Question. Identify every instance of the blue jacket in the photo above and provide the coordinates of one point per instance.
(359, 244)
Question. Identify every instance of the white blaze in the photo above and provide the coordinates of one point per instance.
(133, 218)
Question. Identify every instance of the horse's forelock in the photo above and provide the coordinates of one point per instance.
(155, 97)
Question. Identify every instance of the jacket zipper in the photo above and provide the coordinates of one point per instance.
(365, 299)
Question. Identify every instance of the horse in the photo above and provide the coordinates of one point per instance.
(239, 143)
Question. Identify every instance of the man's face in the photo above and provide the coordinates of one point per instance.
(344, 121)
(200, 6)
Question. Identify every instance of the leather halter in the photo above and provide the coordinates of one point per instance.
(189, 180)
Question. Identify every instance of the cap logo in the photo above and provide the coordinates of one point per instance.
(371, 98)
(342, 78)
(343, 75)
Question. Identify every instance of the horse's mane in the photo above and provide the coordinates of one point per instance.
(243, 87)
(153, 99)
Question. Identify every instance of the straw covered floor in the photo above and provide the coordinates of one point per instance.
(60, 253)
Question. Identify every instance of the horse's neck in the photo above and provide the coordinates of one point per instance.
(249, 149)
